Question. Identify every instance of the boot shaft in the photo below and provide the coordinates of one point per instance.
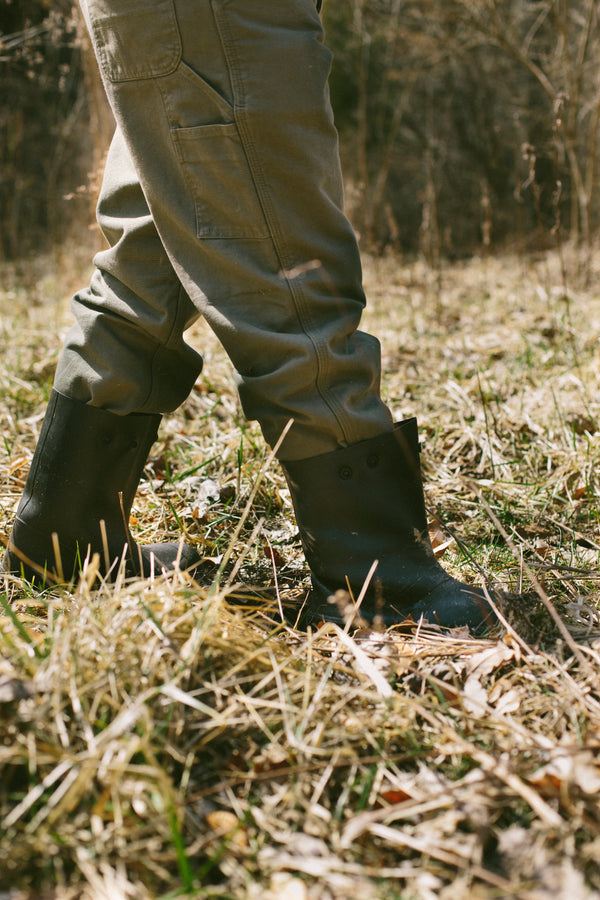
(85, 469)
(365, 504)
(359, 502)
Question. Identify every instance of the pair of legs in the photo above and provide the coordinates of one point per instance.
(222, 197)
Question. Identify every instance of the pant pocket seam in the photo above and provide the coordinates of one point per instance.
(220, 182)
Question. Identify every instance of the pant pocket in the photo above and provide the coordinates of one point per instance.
(135, 41)
(220, 181)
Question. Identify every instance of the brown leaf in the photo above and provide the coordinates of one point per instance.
(227, 824)
(273, 554)
(396, 796)
(439, 539)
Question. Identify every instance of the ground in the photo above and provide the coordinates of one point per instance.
(174, 739)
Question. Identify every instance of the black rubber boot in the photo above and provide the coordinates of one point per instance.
(365, 503)
(85, 471)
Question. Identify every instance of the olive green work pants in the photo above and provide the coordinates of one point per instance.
(222, 197)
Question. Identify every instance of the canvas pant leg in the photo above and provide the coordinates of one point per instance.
(126, 352)
(224, 109)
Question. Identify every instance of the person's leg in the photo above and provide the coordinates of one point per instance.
(224, 109)
(126, 352)
(364, 504)
(123, 363)
(223, 106)
(78, 496)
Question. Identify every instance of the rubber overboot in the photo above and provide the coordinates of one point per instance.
(81, 484)
(365, 503)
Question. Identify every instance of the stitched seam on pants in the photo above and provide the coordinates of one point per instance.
(276, 234)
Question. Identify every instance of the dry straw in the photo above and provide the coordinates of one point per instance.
(176, 738)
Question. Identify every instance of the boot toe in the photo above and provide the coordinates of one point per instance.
(167, 557)
(450, 604)
(454, 604)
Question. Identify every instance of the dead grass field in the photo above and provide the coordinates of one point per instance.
(170, 739)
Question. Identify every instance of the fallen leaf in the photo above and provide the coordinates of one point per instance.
(579, 769)
(509, 702)
(226, 824)
(272, 554)
(392, 796)
(287, 887)
(475, 696)
(439, 539)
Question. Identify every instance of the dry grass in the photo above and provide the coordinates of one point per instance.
(161, 739)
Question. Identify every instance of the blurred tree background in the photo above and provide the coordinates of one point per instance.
(466, 126)
(54, 126)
